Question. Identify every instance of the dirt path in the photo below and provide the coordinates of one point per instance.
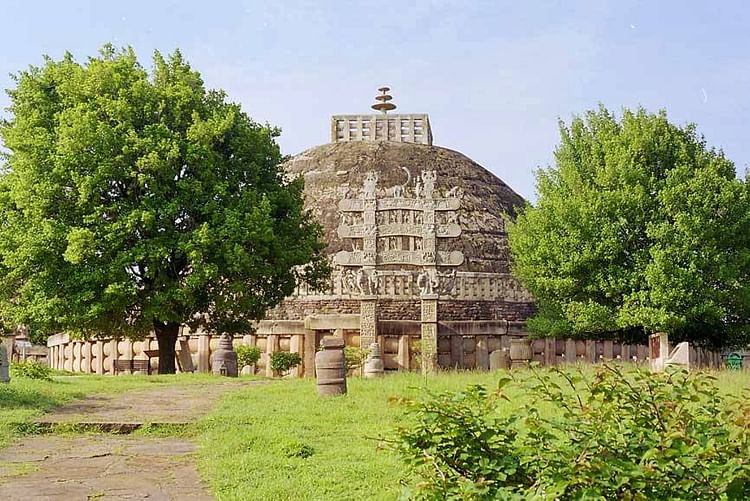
(107, 466)
(161, 404)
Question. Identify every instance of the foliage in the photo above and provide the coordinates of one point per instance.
(247, 355)
(354, 357)
(639, 227)
(417, 350)
(616, 435)
(133, 201)
(31, 369)
(283, 361)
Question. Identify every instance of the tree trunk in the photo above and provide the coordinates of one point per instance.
(166, 336)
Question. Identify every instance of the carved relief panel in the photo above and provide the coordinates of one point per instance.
(399, 225)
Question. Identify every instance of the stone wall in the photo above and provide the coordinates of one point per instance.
(300, 308)
(481, 310)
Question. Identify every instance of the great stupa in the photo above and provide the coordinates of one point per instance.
(417, 240)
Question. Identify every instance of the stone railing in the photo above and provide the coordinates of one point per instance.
(460, 345)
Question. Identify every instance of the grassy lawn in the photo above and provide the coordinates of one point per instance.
(24, 399)
(279, 441)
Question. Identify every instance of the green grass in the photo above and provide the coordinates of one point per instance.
(279, 441)
(24, 399)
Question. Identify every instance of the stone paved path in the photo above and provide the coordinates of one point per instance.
(107, 466)
(100, 467)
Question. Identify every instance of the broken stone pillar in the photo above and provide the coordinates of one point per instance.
(224, 359)
(658, 345)
(499, 359)
(330, 368)
(482, 353)
(4, 365)
(429, 333)
(309, 353)
(204, 349)
(374, 363)
(680, 356)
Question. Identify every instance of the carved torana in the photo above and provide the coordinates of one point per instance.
(397, 226)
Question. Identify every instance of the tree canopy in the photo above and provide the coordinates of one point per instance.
(639, 227)
(134, 201)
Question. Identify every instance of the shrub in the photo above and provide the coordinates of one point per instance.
(283, 361)
(247, 355)
(31, 369)
(610, 435)
(354, 357)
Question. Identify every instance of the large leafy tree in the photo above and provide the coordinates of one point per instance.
(136, 201)
(639, 227)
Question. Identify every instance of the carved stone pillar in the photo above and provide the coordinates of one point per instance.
(658, 351)
(114, 355)
(368, 321)
(100, 360)
(310, 346)
(429, 333)
(204, 349)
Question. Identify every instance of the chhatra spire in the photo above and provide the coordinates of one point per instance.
(384, 106)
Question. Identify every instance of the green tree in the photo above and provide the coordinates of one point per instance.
(639, 227)
(135, 202)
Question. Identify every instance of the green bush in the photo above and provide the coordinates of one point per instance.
(283, 361)
(247, 355)
(354, 357)
(614, 435)
(31, 369)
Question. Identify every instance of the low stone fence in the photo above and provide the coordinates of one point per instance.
(461, 345)
(98, 356)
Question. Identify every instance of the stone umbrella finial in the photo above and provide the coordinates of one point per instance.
(384, 106)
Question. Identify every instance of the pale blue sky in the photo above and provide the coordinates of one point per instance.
(493, 76)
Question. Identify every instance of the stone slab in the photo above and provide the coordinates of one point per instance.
(102, 467)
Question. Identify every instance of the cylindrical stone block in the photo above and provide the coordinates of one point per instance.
(330, 368)
(374, 363)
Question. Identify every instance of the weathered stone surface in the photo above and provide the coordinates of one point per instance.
(334, 167)
(224, 358)
(499, 359)
(111, 467)
(330, 368)
(520, 352)
(4, 365)
(100, 467)
(374, 363)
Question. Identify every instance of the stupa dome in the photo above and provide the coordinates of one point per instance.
(336, 172)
